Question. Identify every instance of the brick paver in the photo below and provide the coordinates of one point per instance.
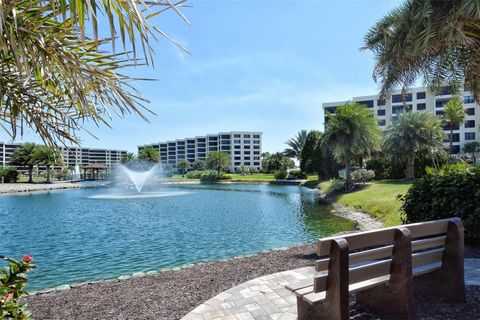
(265, 298)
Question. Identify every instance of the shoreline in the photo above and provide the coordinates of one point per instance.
(25, 187)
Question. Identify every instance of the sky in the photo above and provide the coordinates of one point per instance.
(254, 65)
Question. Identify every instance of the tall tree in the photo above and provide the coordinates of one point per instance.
(454, 114)
(54, 77)
(438, 41)
(183, 165)
(413, 132)
(48, 157)
(149, 154)
(295, 145)
(352, 132)
(219, 161)
(306, 155)
(472, 148)
(24, 156)
(199, 165)
(127, 157)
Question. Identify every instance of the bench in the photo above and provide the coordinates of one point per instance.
(382, 267)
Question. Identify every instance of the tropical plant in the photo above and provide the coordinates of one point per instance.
(199, 165)
(183, 165)
(411, 133)
(454, 114)
(48, 157)
(363, 175)
(127, 157)
(168, 170)
(352, 132)
(472, 148)
(149, 154)
(54, 77)
(23, 156)
(219, 161)
(306, 154)
(280, 174)
(438, 41)
(243, 170)
(8, 175)
(13, 280)
(296, 145)
(276, 161)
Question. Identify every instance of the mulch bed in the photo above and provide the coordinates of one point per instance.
(170, 295)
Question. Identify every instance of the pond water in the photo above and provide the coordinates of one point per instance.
(91, 234)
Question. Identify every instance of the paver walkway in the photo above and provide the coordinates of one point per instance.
(265, 298)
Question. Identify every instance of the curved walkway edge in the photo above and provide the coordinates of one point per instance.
(266, 297)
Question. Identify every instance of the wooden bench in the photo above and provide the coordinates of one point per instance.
(382, 267)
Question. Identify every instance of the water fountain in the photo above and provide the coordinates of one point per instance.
(138, 178)
(76, 173)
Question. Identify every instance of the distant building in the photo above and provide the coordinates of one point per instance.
(420, 99)
(244, 148)
(71, 155)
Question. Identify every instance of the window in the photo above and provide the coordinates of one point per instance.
(256, 141)
(238, 163)
(445, 91)
(441, 103)
(256, 136)
(256, 158)
(368, 103)
(455, 149)
(456, 137)
(237, 147)
(246, 163)
(256, 152)
(380, 102)
(246, 141)
(382, 122)
(469, 135)
(421, 95)
(330, 109)
(246, 158)
(421, 106)
(470, 124)
(256, 163)
(225, 147)
(381, 112)
(246, 147)
(225, 136)
(212, 149)
(397, 109)
(238, 158)
(439, 112)
(246, 152)
(399, 98)
(237, 136)
(470, 111)
(237, 141)
(468, 99)
(246, 136)
(238, 152)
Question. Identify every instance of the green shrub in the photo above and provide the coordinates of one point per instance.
(297, 174)
(363, 175)
(280, 175)
(13, 280)
(334, 185)
(205, 175)
(9, 175)
(195, 174)
(450, 192)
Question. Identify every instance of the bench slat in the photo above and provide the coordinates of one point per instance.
(427, 257)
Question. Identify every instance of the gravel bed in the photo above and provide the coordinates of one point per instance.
(9, 188)
(172, 294)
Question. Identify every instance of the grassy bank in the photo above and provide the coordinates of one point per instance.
(235, 177)
(378, 198)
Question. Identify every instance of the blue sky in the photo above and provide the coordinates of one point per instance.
(254, 65)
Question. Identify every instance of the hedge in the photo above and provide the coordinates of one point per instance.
(445, 194)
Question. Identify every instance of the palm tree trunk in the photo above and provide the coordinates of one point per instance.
(410, 172)
(30, 174)
(348, 178)
(48, 174)
(451, 141)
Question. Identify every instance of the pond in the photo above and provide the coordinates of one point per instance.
(90, 234)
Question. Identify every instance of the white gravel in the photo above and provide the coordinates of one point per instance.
(7, 188)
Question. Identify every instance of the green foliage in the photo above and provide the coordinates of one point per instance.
(297, 174)
(253, 170)
(242, 170)
(9, 175)
(23, 156)
(48, 157)
(275, 162)
(183, 165)
(280, 174)
(454, 114)
(199, 165)
(205, 175)
(472, 148)
(296, 145)
(13, 280)
(335, 185)
(128, 157)
(453, 192)
(168, 170)
(149, 154)
(362, 175)
(307, 160)
(219, 161)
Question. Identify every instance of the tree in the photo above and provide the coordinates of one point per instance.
(352, 132)
(276, 161)
(243, 169)
(219, 161)
(296, 145)
(199, 165)
(128, 157)
(472, 148)
(48, 157)
(323, 161)
(413, 132)
(306, 155)
(438, 41)
(454, 114)
(23, 156)
(149, 154)
(54, 77)
(183, 165)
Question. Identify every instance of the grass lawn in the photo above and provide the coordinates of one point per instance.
(235, 177)
(379, 199)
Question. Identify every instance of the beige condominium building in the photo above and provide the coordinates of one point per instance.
(244, 148)
(420, 99)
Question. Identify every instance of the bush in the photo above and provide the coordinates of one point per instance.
(13, 280)
(195, 174)
(297, 174)
(362, 175)
(9, 175)
(452, 192)
(334, 185)
(280, 175)
(205, 175)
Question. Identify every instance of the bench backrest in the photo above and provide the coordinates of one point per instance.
(370, 252)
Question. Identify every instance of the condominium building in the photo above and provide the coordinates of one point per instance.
(244, 148)
(420, 99)
(71, 155)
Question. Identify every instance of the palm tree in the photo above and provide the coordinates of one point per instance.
(23, 156)
(127, 157)
(454, 114)
(412, 133)
(219, 161)
(352, 132)
(48, 157)
(472, 148)
(149, 154)
(53, 76)
(296, 145)
(438, 41)
(183, 165)
(198, 165)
